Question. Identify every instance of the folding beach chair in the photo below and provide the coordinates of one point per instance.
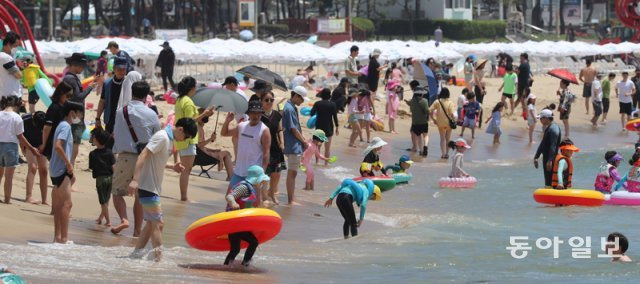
(203, 160)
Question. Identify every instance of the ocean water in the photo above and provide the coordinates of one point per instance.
(418, 233)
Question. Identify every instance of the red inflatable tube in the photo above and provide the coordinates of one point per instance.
(214, 236)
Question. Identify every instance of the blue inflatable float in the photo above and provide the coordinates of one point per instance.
(306, 111)
(311, 123)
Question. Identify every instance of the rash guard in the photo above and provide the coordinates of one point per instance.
(359, 192)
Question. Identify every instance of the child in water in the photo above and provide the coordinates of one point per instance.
(313, 149)
(494, 127)
(617, 245)
(460, 145)
(244, 195)
(562, 166)
(347, 193)
(608, 172)
(371, 162)
(633, 177)
(401, 167)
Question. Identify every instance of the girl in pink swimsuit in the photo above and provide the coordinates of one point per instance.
(393, 88)
(313, 149)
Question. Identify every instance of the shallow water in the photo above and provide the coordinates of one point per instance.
(417, 233)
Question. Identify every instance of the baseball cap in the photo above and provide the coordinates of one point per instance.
(230, 80)
(406, 159)
(546, 113)
(460, 142)
(255, 106)
(300, 90)
(119, 62)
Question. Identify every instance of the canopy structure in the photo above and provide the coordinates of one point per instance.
(256, 51)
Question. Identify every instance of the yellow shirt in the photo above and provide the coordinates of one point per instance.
(185, 108)
(441, 118)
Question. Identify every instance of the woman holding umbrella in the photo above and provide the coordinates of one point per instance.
(479, 89)
(565, 95)
(186, 150)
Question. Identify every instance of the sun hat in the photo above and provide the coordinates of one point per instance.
(570, 147)
(300, 90)
(119, 62)
(373, 189)
(376, 142)
(406, 159)
(377, 193)
(531, 97)
(460, 142)
(376, 52)
(255, 106)
(319, 133)
(255, 175)
(480, 64)
(260, 86)
(76, 58)
(546, 113)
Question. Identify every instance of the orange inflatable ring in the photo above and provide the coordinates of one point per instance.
(569, 197)
(85, 83)
(633, 125)
(211, 232)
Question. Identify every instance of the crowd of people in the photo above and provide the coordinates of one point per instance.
(132, 145)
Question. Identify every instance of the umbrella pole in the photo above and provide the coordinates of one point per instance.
(216, 128)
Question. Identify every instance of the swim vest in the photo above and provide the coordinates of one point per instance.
(247, 202)
(633, 179)
(604, 181)
(566, 175)
(366, 169)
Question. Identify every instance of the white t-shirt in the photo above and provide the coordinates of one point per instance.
(9, 85)
(625, 88)
(596, 91)
(532, 115)
(12, 126)
(150, 178)
(298, 81)
(462, 100)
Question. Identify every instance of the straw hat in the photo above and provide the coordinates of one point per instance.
(480, 64)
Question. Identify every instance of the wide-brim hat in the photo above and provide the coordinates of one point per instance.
(376, 52)
(376, 142)
(76, 58)
(481, 63)
(319, 133)
(256, 175)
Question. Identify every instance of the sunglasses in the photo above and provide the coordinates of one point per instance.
(269, 100)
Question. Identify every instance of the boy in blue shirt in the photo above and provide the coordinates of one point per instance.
(471, 111)
(61, 170)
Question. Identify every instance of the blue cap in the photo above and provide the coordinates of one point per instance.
(119, 62)
(406, 159)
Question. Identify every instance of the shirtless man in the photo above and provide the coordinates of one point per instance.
(587, 75)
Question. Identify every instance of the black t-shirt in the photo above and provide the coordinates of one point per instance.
(374, 74)
(53, 117)
(327, 116)
(338, 92)
(32, 133)
(116, 86)
(101, 162)
(523, 75)
(371, 158)
(272, 121)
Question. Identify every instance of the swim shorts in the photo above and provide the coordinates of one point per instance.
(151, 209)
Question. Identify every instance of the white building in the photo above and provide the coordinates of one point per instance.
(432, 9)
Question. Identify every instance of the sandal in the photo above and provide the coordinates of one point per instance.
(446, 156)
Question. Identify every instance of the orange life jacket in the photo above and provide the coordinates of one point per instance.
(566, 175)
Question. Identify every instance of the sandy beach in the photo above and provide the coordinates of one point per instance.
(25, 223)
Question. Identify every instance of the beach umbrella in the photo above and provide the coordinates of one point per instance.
(257, 72)
(424, 75)
(222, 100)
(564, 74)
